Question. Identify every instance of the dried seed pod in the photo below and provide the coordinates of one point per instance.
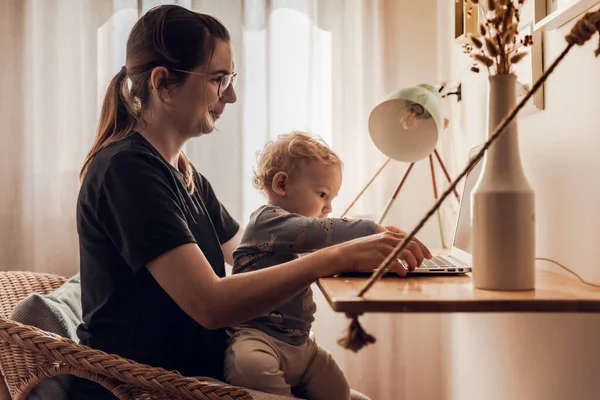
(497, 22)
(584, 29)
(509, 35)
(483, 59)
(518, 57)
(509, 14)
(491, 48)
(482, 29)
(476, 42)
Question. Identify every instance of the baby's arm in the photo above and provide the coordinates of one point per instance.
(299, 234)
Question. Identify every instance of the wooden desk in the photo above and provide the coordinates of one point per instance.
(445, 294)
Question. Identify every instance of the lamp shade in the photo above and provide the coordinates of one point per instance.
(406, 125)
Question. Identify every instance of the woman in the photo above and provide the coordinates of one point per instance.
(153, 235)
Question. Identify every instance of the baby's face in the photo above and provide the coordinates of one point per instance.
(312, 188)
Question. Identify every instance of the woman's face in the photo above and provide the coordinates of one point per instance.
(195, 105)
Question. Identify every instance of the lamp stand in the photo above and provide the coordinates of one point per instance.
(365, 188)
(402, 181)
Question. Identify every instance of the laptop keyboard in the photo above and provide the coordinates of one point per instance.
(435, 262)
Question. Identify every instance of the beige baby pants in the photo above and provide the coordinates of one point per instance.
(258, 361)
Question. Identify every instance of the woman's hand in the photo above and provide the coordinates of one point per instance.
(426, 253)
(424, 250)
(367, 253)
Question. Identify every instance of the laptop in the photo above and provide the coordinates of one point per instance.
(459, 260)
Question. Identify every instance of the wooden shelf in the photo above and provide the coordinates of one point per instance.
(560, 17)
(554, 292)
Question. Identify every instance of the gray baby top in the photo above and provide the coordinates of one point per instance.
(274, 236)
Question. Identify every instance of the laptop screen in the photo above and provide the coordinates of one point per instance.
(462, 236)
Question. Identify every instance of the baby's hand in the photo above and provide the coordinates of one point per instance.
(381, 229)
(395, 230)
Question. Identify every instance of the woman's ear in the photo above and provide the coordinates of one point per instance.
(158, 83)
(279, 183)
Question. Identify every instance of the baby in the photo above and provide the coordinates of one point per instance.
(277, 353)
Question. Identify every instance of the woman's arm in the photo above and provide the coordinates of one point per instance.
(231, 245)
(186, 276)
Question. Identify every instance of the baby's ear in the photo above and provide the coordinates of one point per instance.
(279, 183)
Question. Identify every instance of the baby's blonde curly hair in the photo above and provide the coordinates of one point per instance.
(285, 153)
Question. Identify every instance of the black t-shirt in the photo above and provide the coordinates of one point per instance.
(133, 206)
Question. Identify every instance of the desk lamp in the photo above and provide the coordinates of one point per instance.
(406, 126)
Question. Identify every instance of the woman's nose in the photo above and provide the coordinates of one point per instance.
(230, 96)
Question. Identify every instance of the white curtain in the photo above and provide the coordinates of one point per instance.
(58, 57)
(55, 56)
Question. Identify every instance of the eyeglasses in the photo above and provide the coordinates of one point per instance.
(224, 80)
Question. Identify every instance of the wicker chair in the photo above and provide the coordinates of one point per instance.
(29, 355)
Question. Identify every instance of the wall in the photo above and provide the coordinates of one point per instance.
(412, 58)
(551, 356)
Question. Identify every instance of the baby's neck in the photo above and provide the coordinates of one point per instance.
(277, 201)
(280, 204)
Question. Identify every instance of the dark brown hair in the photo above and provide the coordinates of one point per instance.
(169, 36)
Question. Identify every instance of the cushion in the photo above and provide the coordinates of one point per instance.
(57, 312)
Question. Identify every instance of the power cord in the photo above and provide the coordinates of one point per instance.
(568, 270)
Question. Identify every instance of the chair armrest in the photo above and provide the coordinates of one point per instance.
(26, 351)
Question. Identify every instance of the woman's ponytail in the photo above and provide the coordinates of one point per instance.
(117, 118)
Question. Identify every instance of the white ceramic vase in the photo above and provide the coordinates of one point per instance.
(503, 204)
